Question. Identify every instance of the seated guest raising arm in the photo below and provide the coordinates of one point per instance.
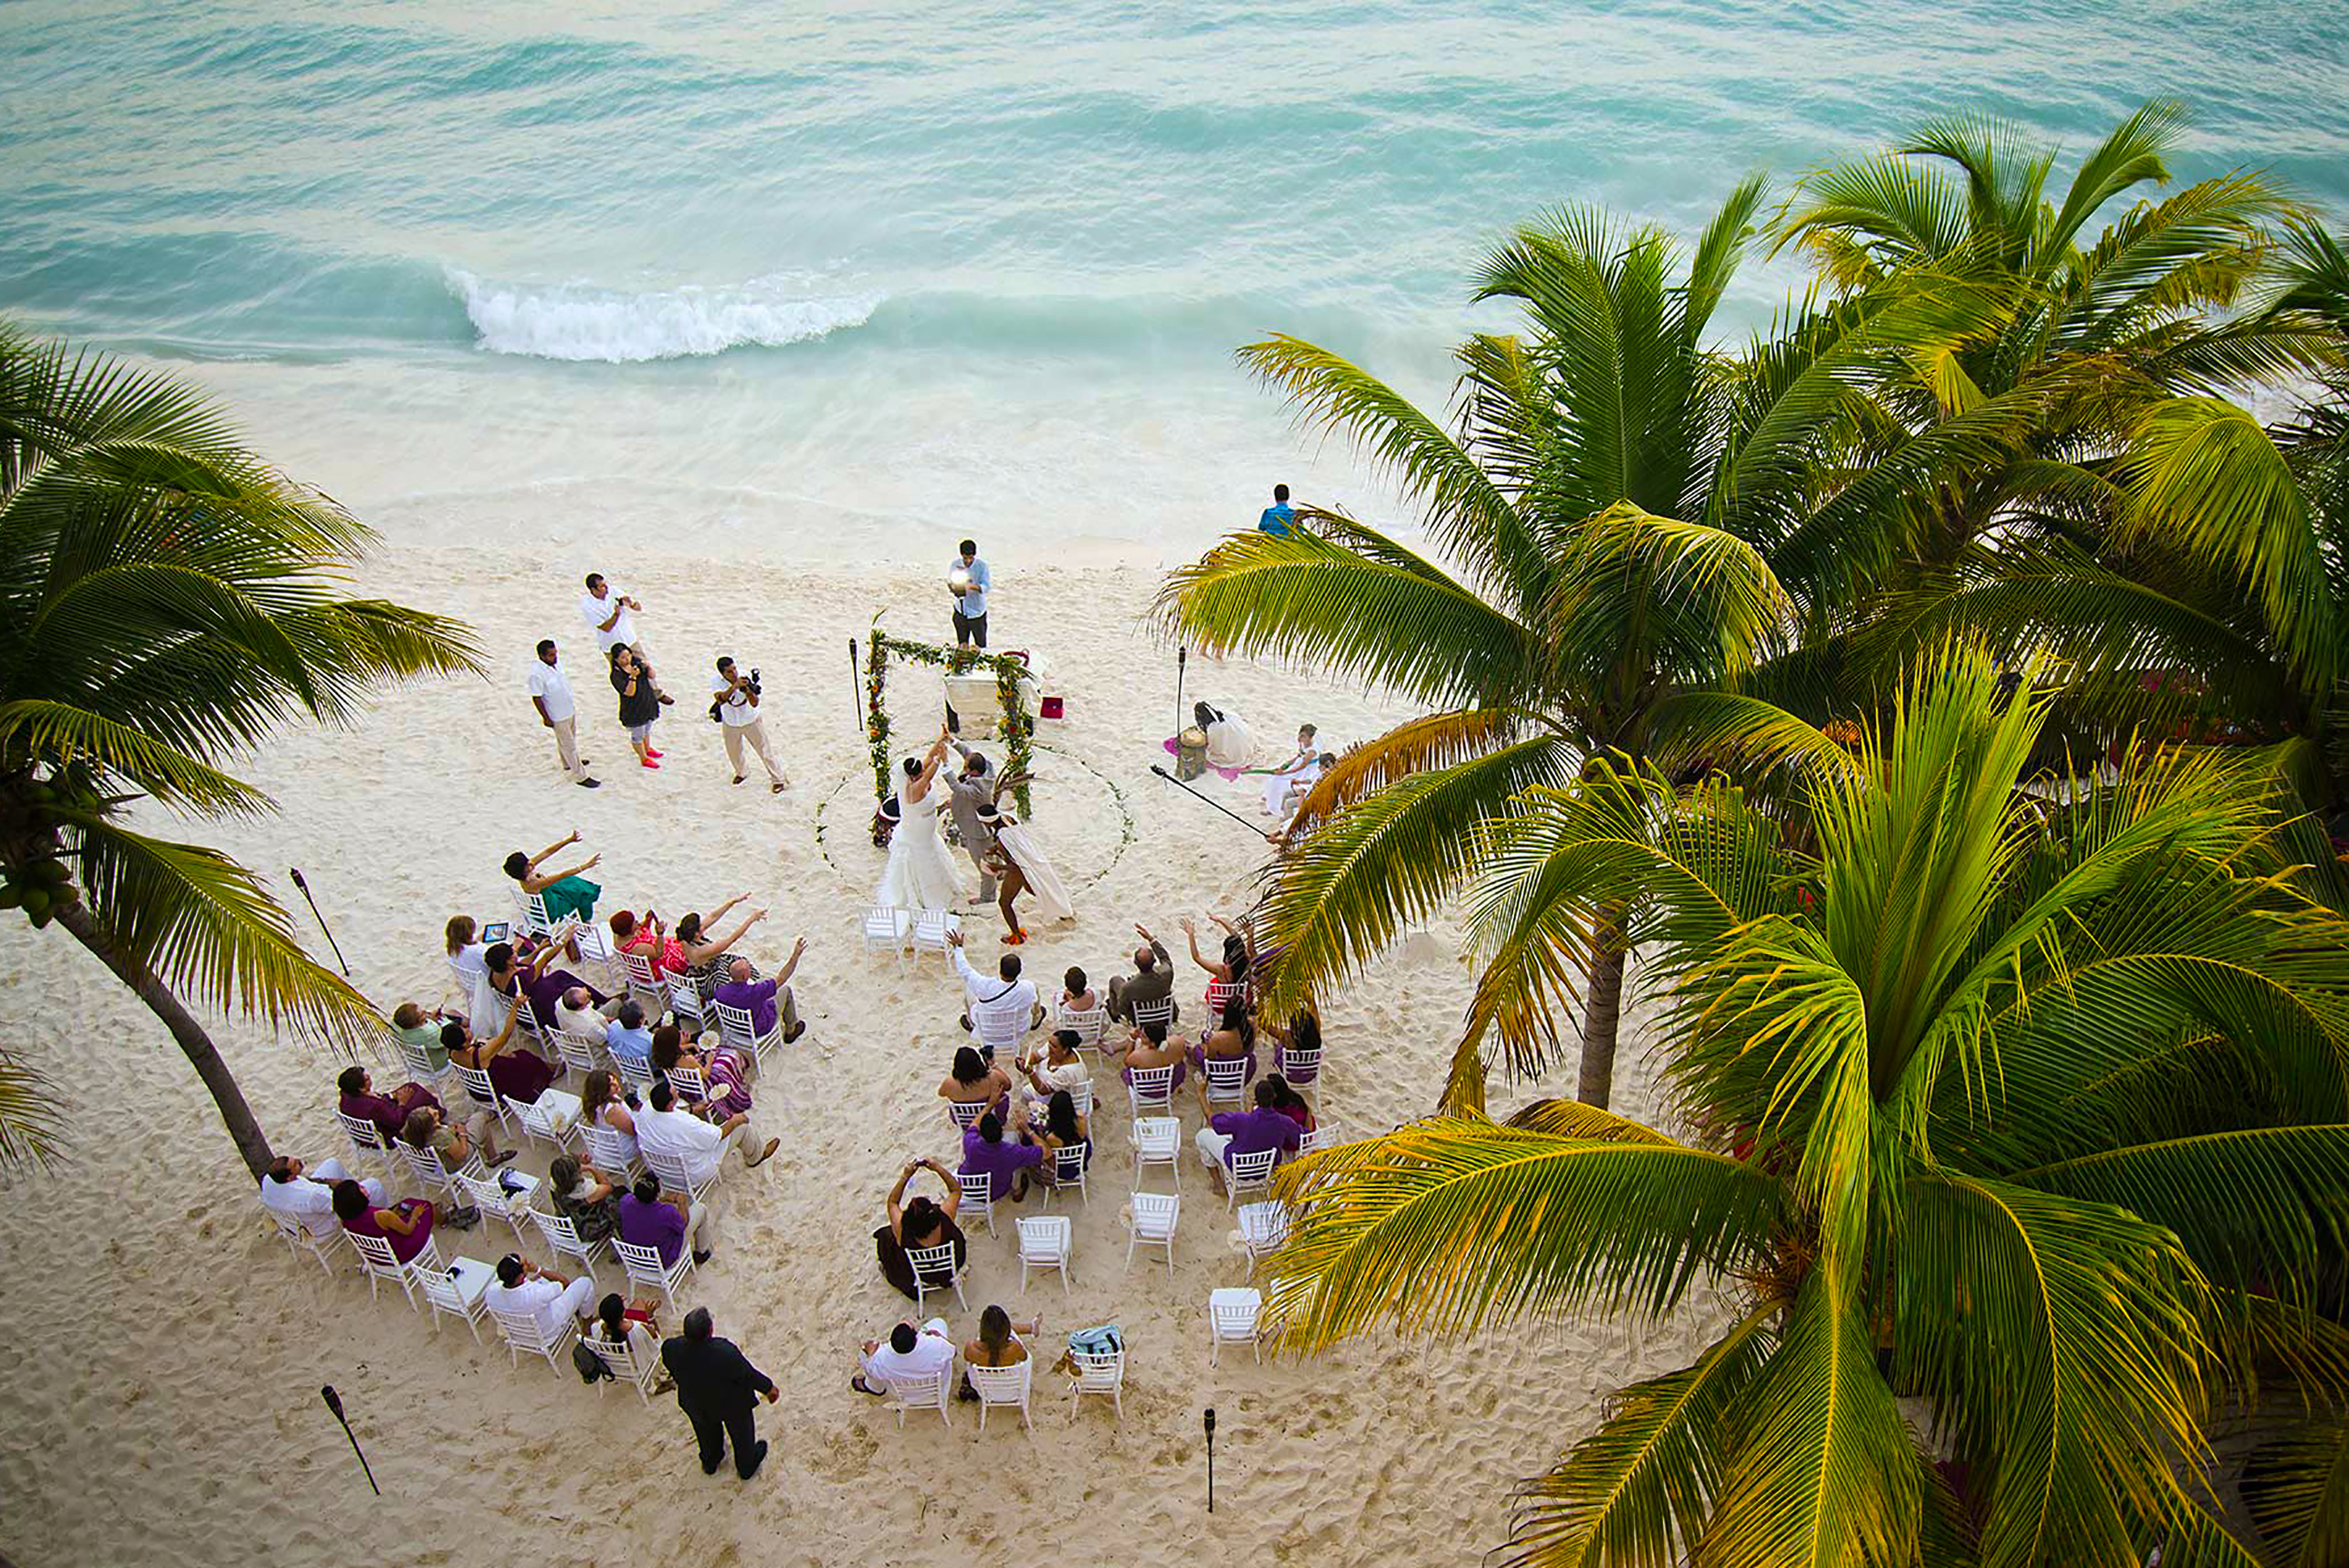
(516, 1072)
(646, 933)
(1153, 980)
(565, 893)
(707, 948)
(1003, 1006)
(917, 1224)
(1227, 976)
(764, 1000)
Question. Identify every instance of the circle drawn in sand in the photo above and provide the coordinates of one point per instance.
(1081, 816)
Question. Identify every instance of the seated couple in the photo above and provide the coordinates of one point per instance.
(703, 953)
(642, 1214)
(1269, 1125)
(917, 1359)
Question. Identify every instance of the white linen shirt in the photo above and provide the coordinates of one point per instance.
(684, 1136)
(973, 603)
(535, 1296)
(310, 1203)
(593, 609)
(551, 685)
(736, 710)
(991, 1001)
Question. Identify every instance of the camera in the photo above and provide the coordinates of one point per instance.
(753, 683)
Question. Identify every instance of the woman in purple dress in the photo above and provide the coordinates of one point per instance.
(407, 1225)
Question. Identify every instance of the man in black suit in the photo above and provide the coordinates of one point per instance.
(717, 1389)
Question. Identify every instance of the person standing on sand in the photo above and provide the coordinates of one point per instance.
(640, 701)
(1279, 516)
(605, 610)
(971, 602)
(719, 1390)
(550, 693)
(735, 698)
(971, 794)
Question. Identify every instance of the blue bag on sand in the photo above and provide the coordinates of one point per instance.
(1099, 1341)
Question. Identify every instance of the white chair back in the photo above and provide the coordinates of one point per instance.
(1300, 1068)
(609, 1148)
(1227, 1081)
(1219, 995)
(479, 1087)
(366, 1138)
(624, 1364)
(1158, 1141)
(1069, 1169)
(420, 1063)
(998, 1031)
(1044, 1243)
(430, 1172)
(646, 1266)
(1321, 1136)
(596, 947)
(737, 1028)
(529, 912)
(526, 1018)
(690, 1083)
(966, 1112)
(523, 1331)
(1249, 1172)
(1232, 1313)
(935, 1269)
(1155, 1215)
(1263, 1228)
(674, 1176)
(552, 1116)
(378, 1262)
(1004, 1385)
(581, 1053)
(1098, 1372)
(457, 1290)
(977, 1196)
(563, 1237)
(299, 1238)
(931, 928)
(1149, 1089)
(636, 1072)
(887, 927)
(935, 1392)
(644, 982)
(1162, 1011)
(1088, 1022)
(496, 1202)
(685, 1001)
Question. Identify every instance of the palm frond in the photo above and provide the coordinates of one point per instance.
(1432, 741)
(31, 1123)
(2297, 1490)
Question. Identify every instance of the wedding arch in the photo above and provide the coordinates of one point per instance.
(1017, 726)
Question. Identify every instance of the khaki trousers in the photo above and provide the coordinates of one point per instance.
(566, 745)
(755, 732)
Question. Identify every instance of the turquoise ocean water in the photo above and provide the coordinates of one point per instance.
(818, 281)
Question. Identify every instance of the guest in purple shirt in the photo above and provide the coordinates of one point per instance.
(1005, 1165)
(388, 1111)
(1236, 1132)
(760, 998)
(647, 1220)
(536, 977)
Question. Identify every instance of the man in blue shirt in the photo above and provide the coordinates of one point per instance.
(970, 605)
(1274, 519)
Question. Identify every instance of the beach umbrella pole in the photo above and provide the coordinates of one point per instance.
(321, 919)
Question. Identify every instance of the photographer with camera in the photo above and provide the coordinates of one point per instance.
(734, 703)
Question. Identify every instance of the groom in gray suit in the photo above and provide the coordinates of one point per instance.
(972, 789)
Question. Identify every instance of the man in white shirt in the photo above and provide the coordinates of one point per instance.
(307, 1196)
(524, 1286)
(550, 693)
(605, 610)
(910, 1358)
(666, 1130)
(999, 1011)
(735, 698)
(971, 602)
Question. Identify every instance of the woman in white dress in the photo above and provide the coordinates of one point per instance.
(1026, 869)
(1230, 748)
(920, 873)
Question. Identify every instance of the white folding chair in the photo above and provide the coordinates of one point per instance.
(369, 1149)
(977, 1196)
(999, 1032)
(496, 1201)
(1069, 1165)
(1263, 1228)
(596, 948)
(675, 1177)
(523, 1331)
(966, 1113)
(1154, 1214)
(887, 927)
(1232, 1314)
(479, 1089)
(433, 1174)
(685, 1004)
(1098, 1372)
(1004, 1385)
(636, 1072)
(529, 912)
(644, 982)
(644, 1266)
(1149, 1091)
(1158, 1141)
(1088, 1022)
(691, 1084)
(377, 1262)
(1044, 1243)
(1302, 1069)
(932, 1393)
(1219, 996)
(553, 1117)
(457, 1291)
(1162, 1012)
(931, 928)
(323, 1245)
(929, 1264)
(737, 1028)
(610, 1149)
(420, 1066)
(527, 1020)
(581, 1053)
(563, 1238)
(1322, 1136)
(625, 1366)
(1228, 1084)
(1247, 1173)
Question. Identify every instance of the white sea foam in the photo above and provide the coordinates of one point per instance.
(578, 322)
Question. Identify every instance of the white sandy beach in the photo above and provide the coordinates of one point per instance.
(162, 1401)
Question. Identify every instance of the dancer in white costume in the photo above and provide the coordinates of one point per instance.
(1026, 857)
(920, 874)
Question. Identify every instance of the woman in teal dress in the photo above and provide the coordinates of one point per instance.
(567, 893)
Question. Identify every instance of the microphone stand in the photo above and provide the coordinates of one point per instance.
(320, 919)
(334, 1403)
(1219, 806)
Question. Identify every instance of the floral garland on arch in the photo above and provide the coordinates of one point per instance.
(1018, 726)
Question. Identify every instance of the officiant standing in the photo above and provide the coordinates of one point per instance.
(966, 584)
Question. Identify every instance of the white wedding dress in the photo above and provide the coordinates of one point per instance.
(1052, 904)
(920, 873)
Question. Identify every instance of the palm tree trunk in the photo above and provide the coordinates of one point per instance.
(205, 1057)
(1602, 1011)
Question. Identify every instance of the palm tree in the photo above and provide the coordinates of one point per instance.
(2025, 1107)
(1614, 498)
(165, 599)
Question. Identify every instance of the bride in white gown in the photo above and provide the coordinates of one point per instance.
(920, 873)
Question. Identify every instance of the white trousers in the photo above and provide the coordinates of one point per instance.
(755, 735)
(566, 745)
